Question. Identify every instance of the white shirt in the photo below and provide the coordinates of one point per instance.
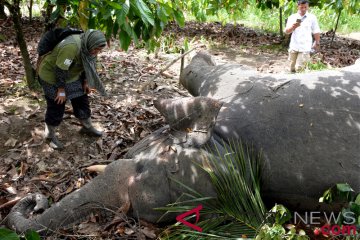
(301, 38)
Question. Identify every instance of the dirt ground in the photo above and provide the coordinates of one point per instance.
(353, 35)
(28, 164)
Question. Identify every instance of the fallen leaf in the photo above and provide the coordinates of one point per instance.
(23, 169)
(89, 228)
(69, 189)
(148, 233)
(129, 231)
(140, 236)
(11, 190)
(120, 230)
(11, 142)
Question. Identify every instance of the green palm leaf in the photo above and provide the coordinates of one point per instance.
(235, 176)
(238, 210)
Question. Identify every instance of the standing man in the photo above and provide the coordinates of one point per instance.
(66, 73)
(303, 25)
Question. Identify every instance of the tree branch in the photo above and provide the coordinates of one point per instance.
(166, 67)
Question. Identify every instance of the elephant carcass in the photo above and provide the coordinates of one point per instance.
(307, 124)
(142, 182)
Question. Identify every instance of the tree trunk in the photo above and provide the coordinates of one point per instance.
(2, 10)
(286, 38)
(336, 26)
(280, 21)
(48, 25)
(30, 9)
(16, 17)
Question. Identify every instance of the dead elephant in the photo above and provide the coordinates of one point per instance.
(140, 183)
(307, 126)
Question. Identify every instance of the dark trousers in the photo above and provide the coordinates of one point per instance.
(55, 112)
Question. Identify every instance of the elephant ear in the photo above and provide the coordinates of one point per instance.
(193, 116)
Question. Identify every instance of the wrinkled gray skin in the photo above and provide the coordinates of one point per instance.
(141, 182)
(307, 124)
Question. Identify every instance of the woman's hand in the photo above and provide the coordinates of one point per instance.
(60, 96)
(86, 88)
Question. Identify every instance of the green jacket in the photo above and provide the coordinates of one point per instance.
(66, 55)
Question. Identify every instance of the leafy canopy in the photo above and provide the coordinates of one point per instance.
(143, 21)
(130, 20)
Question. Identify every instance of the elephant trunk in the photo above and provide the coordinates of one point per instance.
(17, 219)
(97, 196)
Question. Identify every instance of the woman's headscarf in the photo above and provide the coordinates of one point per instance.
(89, 40)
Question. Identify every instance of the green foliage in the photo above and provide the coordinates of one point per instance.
(7, 234)
(203, 9)
(168, 44)
(342, 192)
(263, 14)
(279, 215)
(129, 20)
(187, 45)
(327, 20)
(133, 20)
(238, 209)
(268, 19)
(264, 4)
(32, 235)
(144, 20)
(350, 6)
(237, 173)
(315, 65)
(278, 232)
(339, 192)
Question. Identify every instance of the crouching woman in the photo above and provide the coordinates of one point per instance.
(66, 74)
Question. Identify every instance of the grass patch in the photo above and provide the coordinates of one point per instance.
(316, 65)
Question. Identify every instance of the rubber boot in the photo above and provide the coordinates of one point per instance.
(50, 136)
(89, 129)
